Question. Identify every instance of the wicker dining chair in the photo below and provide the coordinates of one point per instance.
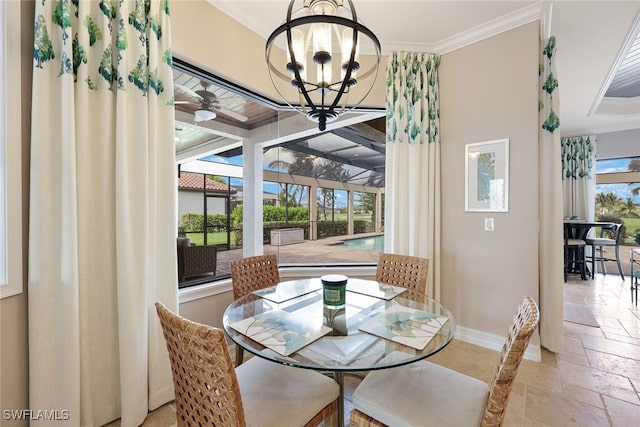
(210, 392)
(251, 274)
(403, 270)
(426, 394)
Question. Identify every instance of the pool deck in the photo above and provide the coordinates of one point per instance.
(330, 251)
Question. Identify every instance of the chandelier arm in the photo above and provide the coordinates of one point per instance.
(344, 87)
(323, 112)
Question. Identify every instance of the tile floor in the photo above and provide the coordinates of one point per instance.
(595, 381)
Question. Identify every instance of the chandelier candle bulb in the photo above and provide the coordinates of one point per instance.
(326, 33)
(334, 289)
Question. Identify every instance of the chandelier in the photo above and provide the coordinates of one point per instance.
(315, 57)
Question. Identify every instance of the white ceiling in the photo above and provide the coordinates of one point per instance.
(593, 38)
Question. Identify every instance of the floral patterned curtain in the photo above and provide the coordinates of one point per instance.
(102, 221)
(578, 177)
(412, 187)
(551, 298)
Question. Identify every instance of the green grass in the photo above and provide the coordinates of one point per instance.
(631, 224)
(343, 216)
(212, 238)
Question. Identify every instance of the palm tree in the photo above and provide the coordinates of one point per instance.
(629, 206)
(607, 203)
(302, 164)
(308, 165)
(634, 166)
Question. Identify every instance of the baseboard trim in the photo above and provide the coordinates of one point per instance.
(494, 342)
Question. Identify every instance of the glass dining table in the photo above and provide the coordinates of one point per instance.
(379, 326)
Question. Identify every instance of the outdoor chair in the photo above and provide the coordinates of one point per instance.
(402, 270)
(195, 260)
(426, 394)
(210, 392)
(251, 274)
(609, 238)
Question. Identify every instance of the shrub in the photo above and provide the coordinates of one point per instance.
(615, 219)
(194, 222)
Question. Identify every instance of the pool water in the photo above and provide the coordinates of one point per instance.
(374, 243)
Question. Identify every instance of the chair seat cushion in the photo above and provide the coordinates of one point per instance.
(603, 242)
(279, 395)
(422, 394)
(575, 242)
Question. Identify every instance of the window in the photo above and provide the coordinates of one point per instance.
(322, 188)
(618, 194)
(10, 152)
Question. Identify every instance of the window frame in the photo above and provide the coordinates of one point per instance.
(11, 266)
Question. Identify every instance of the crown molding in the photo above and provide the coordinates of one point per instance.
(492, 28)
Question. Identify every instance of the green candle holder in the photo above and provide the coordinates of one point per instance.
(334, 290)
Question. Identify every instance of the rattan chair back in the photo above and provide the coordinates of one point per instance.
(253, 273)
(522, 328)
(206, 387)
(403, 270)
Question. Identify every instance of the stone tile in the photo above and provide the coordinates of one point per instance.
(598, 381)
(610, 323)
(548, 358)
(622, 338)
(578, 359)
(631, 326)
(577, 330)
(469, 359)
(552, 409)
(528, 422)
(589, 397)
(573, 345)
(622, 413)
(617, 348)
(514, 415)
(615, 364)
(540, 376)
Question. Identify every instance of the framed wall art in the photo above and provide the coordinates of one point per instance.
(487, 176)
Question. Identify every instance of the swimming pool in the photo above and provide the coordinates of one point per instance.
(374, 243)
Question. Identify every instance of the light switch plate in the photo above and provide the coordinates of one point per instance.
(488, 224)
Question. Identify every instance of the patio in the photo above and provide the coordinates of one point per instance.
(330, 250)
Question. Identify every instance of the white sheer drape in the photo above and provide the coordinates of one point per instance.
(578, 177)
(102, 221)
(551, 299)
(412, 186)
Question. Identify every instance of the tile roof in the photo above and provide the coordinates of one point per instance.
(193, 181)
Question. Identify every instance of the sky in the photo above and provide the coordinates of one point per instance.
(621, 190)
(271, 187)
(602, 166)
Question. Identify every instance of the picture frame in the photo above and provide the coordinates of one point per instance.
(487, 176)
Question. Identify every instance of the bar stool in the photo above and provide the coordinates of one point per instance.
(635, 274)
(574, 257)
(614, 232)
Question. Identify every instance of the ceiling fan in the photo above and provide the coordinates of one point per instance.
(208, 104)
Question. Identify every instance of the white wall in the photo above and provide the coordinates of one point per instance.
(191, 202)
